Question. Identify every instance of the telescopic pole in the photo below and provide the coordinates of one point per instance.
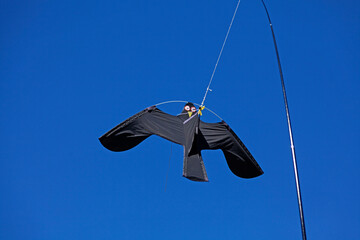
(290, 129)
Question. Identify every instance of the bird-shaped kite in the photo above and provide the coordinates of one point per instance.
(189, 131)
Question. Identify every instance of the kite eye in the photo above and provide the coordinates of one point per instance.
(187, 108)
(193, 109)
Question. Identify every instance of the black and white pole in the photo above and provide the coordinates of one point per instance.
(290, 129)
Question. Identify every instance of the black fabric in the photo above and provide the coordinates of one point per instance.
(221, 136)
(189, 131)
(137, 128)
(193, 168)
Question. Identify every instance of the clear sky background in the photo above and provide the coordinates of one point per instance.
(72, 70)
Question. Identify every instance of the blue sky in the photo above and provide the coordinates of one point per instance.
(71, 70)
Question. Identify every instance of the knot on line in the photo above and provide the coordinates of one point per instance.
(200, 109)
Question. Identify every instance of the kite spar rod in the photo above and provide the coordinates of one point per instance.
(182, 101)
(290, 129)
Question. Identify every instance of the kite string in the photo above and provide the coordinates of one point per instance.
(218, 59)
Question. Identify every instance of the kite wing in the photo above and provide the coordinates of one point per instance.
(221, 136)
(142, 125)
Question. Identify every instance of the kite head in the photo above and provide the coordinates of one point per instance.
(189, 108)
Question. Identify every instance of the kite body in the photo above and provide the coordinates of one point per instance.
(189, 131)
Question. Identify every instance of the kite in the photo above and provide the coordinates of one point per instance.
(188, 130)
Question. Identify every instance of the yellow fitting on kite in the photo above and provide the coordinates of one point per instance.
(200, 109)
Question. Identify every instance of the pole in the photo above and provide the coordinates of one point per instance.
(301, 212)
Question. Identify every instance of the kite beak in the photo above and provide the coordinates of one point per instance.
(190, 113)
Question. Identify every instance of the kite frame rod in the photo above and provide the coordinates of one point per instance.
(301, 212)
(182, 101)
